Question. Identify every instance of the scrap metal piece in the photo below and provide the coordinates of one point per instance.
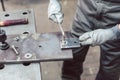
(69, 43)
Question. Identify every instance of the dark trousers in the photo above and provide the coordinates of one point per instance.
(91, 15)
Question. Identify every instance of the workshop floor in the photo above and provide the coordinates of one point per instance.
(52, 70)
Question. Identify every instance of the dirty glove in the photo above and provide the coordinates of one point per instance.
(55, 11)
(100, 36)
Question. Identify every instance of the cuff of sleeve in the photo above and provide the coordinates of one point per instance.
(116, 31)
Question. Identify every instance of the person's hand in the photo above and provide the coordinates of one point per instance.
(100, 36)
(55, 11)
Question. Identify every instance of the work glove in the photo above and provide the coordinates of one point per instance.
(100, 36)
(55, 11)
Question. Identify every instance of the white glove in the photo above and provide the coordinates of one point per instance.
(55, 11)
(100, 36)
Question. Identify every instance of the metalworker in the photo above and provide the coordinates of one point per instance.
(96, 23)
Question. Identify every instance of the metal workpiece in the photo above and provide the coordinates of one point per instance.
(24, 71)
(35, 47)
(16, 15)
(70, 43)
(67, 43)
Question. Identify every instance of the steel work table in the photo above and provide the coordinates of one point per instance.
(32, 47)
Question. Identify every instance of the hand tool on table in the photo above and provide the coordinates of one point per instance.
(13, 22)
(66, 42)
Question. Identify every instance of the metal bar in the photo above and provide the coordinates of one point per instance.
(3, 6)
(60, 26)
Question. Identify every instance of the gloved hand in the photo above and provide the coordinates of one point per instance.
(100, 36)
(55, 11)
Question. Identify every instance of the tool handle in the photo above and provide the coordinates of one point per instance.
(13, 22)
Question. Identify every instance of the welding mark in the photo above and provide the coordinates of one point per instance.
(91, 70)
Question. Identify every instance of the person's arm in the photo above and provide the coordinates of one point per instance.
(100, 36)
(55, 11)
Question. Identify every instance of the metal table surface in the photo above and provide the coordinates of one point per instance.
(35, 48)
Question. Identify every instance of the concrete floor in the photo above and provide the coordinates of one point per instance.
(52, 70)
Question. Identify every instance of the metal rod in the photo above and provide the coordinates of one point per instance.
(3, 6)
(63, 33)
(60, 26)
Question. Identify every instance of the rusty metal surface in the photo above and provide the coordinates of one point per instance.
(18, 29)
(36, 47)
(20, 72)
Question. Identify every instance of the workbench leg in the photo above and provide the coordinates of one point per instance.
(21, 72)
(3, 5)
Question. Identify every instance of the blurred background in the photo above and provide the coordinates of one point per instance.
(52, 70)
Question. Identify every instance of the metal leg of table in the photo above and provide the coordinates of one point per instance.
(20, 72)
(3, 5)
